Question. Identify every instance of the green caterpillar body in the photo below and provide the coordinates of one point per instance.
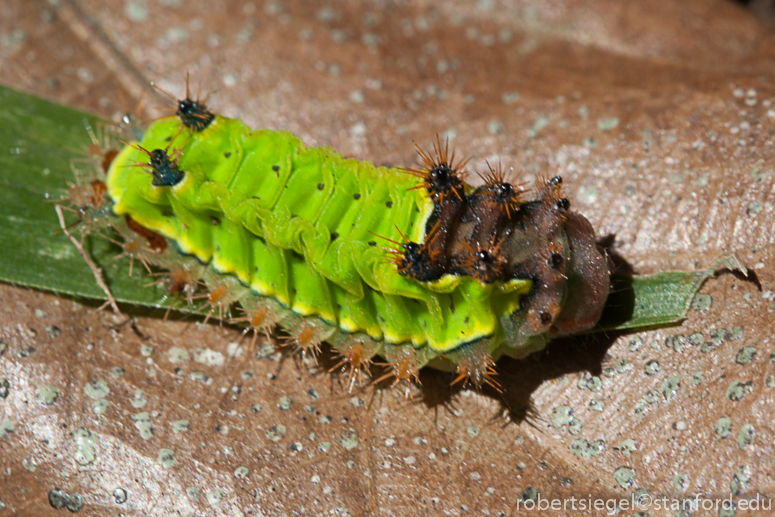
(477, 272)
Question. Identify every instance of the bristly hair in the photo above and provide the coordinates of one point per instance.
(303, 340)
(402, 367)
(412, 260)
(193, 113)
(477, 371)
(442, 174)
(355, 360)
(485, 263)
(500, 191)
(163, 164)
(257, 318)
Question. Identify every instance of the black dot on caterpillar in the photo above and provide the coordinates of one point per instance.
(193, 113)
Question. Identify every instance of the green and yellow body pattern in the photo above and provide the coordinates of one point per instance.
(302, 225)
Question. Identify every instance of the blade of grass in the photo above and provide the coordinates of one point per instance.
(38, 139)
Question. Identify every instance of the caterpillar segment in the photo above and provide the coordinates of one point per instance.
(470, 273)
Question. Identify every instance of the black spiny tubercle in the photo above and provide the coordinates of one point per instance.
(411, 259)
(442, 175)
(484, 263)
(499, 191)
(193, 113)
(164, 167)
(416, 263)
(551, 189)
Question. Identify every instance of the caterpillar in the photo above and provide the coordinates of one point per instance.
(412, 264)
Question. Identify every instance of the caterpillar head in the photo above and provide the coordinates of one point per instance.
(557, 250)
(496, 236)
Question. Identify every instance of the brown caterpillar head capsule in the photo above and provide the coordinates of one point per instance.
(588, 276)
